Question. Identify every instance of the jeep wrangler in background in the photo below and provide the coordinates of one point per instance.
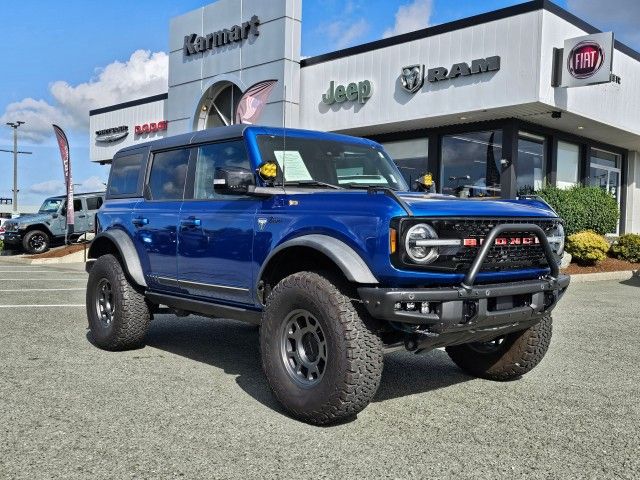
(315, 238)
(35, 233)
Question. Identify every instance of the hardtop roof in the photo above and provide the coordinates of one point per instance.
(237, 131)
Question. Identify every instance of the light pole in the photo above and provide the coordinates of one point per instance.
(15, 126)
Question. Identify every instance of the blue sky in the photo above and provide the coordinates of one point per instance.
(59, 59)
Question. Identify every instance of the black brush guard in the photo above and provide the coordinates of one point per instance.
(463, 313)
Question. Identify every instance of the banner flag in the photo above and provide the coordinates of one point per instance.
(63, 143)
(253, 101)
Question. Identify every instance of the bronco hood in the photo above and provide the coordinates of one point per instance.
(429, 205)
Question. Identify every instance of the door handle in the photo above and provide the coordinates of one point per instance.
(191, 222)
(140, 221)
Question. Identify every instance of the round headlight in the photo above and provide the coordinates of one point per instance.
(420, 253)
(556, 239)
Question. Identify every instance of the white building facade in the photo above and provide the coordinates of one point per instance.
(481, 102)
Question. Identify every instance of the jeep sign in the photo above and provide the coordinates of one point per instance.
(587, 60)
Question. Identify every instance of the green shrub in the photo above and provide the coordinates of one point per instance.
(627, 247)
(587, 247)
(583, 208)
(1, 245)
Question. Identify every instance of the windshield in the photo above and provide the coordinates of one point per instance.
(330, 163)
(50, 205)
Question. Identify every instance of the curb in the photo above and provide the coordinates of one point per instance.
(76, 257)
(601, 276)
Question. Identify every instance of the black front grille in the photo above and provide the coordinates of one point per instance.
(510, 256)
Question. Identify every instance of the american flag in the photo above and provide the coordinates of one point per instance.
(253, 101)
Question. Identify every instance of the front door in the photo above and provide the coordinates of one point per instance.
(155, 219)
(215, 234)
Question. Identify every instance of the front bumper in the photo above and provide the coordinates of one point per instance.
(12, 237)
(469, 312)
(458, 308)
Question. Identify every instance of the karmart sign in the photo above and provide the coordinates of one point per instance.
(587, 60)
(201, 43)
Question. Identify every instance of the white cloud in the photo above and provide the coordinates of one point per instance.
(343, 33)
(50, 187)
(410, 17)
(144, 74)
(91, 184)
(56, 187)
(619, 16)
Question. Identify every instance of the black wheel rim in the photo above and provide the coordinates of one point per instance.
(303, 348)
(492, 346)
(104, 302)
(37, 243)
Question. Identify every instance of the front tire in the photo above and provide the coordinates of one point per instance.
(118, 314)
(322, 361)
(35, 242)
(505, 358)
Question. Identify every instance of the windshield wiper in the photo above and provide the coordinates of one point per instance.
(366, 186)
(311, 183)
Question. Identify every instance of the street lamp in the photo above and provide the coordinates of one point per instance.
(15, 126)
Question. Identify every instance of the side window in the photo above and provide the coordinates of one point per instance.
(125, 172)
(77, 205)
(94, 203)
(210, 157)
(168, 174)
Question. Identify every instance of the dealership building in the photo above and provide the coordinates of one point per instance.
(498, 104)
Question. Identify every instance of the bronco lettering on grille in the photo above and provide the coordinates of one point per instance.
(502, 241)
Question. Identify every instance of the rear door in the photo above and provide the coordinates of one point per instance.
(93, 205)
(80, 215)
(215, 234)
(155, 218)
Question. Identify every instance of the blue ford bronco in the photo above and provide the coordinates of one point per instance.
(316, 238)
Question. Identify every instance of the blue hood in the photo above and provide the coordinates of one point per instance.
(446, 206)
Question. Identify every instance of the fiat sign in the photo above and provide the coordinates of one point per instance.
(587, 60)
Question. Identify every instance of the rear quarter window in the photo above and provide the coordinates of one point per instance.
(94, 203)
(125, 175)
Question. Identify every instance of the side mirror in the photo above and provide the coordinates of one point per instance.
(233, 180)
(63, 212)
(54, 215)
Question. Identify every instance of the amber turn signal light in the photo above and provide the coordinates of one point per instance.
(393, 240)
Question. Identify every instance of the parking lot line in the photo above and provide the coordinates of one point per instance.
(83, 279)
(28, 271)
(43, 289)
(42, 306)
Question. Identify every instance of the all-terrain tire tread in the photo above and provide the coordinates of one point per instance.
(524, 352)
(132, 308)
(364, 350)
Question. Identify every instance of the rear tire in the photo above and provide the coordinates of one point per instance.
(118, 314)
(35, 242)
(322, 361)
(505, 358)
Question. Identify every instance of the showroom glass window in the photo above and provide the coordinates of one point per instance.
(530, 167)
(604, 171)
(410, 156)
(471, 164)
(218, 155)
(568, 160)
(168, 174)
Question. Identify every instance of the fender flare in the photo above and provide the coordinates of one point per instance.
(127, 251)
(348, 261)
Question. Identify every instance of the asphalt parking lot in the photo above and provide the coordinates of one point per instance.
(194, 402)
